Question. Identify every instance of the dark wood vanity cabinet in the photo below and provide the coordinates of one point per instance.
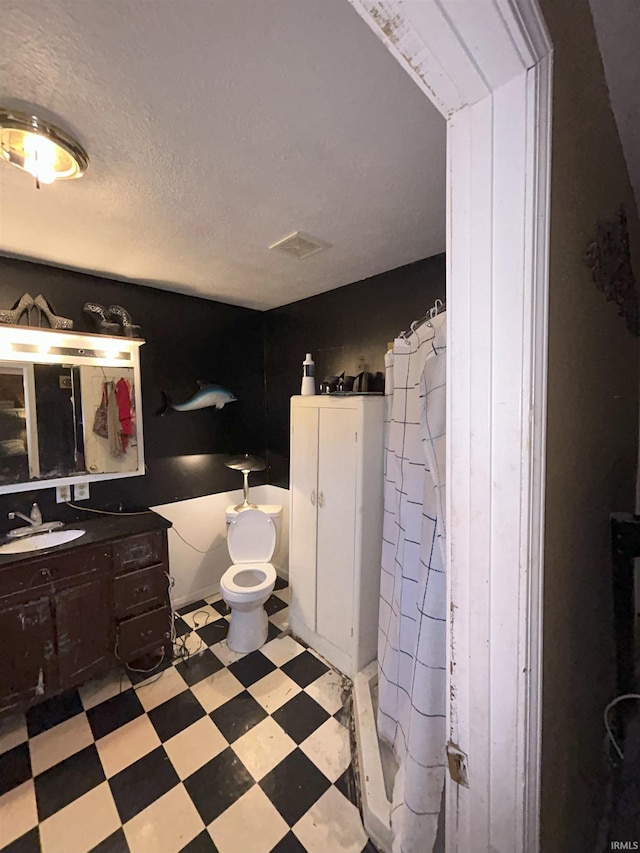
(78, 611)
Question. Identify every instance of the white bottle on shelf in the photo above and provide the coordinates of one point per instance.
(308, 376)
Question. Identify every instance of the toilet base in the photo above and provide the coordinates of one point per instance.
(247, 629)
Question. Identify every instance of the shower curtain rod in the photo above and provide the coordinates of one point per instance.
(438, 307)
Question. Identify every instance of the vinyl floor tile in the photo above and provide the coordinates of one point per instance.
(142, 783)
(155, 691)
(82, 824)
(251, 668)
(194, 746)
(202, 843)
(273, 604)
(54, 745)
(167, 825)
(305, 668)
(115, 712)
(274, 690)
(289, 844)
(13, 731)
(18, 812)
(329, 748)
(294, 785)
(100, 689)
(115, 843)
(281, 650)
(27, 843)
(214, 632)
(238, 715)
(205, 787)
(175, 715)
(263, 747)
(127, 744)
(199, 666)
(214, 691)
(49, 713)
(327, 691)
(68, 780)
(300, 716)
(251, 824)
(331, 823)
(15, 767)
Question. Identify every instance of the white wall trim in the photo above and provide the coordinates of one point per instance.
(487, 66)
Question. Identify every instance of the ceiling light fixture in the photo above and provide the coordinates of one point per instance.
(40, 148)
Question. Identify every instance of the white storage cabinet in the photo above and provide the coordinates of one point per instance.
(335, 533)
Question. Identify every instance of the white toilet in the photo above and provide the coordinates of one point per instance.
(248, 583)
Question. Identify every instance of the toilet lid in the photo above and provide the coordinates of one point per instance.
(251, 537)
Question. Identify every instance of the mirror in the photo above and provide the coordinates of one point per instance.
(68, 408)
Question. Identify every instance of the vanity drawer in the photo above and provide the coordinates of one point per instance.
(144, 633)
(41, 572)
(140, 590)
(138, 552)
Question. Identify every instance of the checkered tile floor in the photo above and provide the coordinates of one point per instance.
(220, 752)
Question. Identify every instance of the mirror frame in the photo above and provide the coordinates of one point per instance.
(27, 345)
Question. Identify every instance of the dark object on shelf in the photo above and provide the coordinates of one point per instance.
(22, 306)
(344, 384)
(98, 316)
(118, 314)
(609, 258)
(329, 384)
(55, 322)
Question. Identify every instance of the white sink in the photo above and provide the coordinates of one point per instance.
(41, 540)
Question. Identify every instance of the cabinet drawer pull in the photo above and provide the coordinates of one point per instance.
(313, 497)
(321, 500)
(141, 590)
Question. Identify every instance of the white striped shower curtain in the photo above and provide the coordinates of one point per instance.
(412, 623)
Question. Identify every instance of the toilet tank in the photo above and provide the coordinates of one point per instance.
(274, 511)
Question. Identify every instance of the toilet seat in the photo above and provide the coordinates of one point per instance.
(232, 578)
(251, 537)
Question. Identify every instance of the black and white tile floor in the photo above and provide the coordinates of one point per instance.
(238, 754)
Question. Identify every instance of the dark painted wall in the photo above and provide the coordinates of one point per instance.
(344, 329)
(186, 339)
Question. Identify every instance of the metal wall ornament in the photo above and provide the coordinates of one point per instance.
(609, 259)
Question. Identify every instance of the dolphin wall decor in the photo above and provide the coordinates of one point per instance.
(206, 396)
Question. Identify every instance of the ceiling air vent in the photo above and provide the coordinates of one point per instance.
(299, 245)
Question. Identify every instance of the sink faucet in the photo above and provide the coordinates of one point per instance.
(35, 520)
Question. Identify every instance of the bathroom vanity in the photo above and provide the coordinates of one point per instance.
(72, 612)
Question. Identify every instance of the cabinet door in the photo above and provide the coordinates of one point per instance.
(304, 488)
(27, 664)
(83, 628)
(337, 469)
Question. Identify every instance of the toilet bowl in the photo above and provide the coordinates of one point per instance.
(248, 583)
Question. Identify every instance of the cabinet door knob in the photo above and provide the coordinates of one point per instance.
(313, 497)
(321, 500)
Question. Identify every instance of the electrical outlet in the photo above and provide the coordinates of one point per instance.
(63, 494)
(81, 491)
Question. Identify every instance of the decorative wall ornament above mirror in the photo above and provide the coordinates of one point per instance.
(70, 408)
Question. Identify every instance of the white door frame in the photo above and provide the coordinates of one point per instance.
(486, 65)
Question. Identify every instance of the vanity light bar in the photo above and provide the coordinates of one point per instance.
(68, 352)
(20, 342)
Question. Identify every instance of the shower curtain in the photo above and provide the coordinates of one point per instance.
(412, 620)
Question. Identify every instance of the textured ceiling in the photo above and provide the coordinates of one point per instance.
(618, 32)
(215, 128)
